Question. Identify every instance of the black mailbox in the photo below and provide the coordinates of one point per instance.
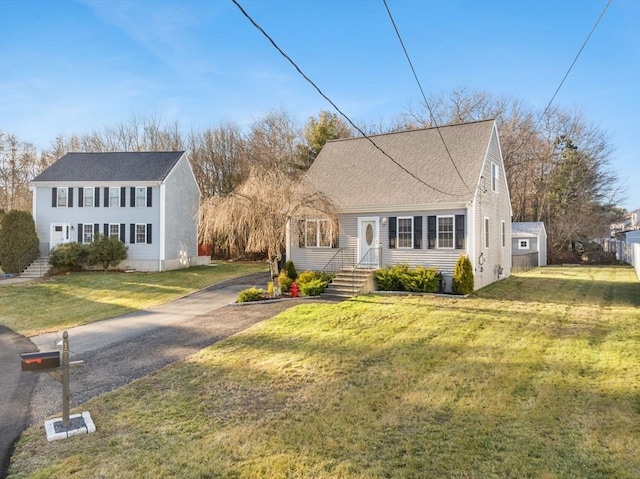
(41, 361)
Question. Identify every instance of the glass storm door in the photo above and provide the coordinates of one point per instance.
(368, 242)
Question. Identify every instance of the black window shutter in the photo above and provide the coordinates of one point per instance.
(123, 193)
(132, 233)
(431, 232)
(106, 197)
(123, 227)
(148, 233)
(301, 241)
(96, 197)
(417, 232)
(96, 229)
(106, 229)
(54, 197)
(79, 232)
(392, 231)
(70, 197)
(132, 200)
(460, 232)
(80, 197)
(149, 190)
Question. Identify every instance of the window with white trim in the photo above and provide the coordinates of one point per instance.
(495, 176)
(88, 194)
(317, 233)
(523, 244)
(405, 232)
(504, 234)
(87, 233)
(62, 195)
(486, 232)
(141, 233)
(445, 232)
(114, 230)
(114, 197)
(141, 196)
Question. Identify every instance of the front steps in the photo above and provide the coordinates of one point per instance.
(38, 269)
(349, 283)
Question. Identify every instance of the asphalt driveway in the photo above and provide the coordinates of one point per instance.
(119, 350)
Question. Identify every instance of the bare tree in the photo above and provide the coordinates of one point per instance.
(219, 159)
(257, 214)
(18, 165)
(542, 181)
(273, 142)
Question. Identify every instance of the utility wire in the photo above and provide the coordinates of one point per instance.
(255, 24)
(584, 44)
(415, 75)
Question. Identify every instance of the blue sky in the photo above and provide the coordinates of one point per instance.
(67, 67)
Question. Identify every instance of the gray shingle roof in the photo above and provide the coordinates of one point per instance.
(118, 166)
(354, 174)
(524, 229)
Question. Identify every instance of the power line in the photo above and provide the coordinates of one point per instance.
(255, 24)
(433, 119)
(584, 44)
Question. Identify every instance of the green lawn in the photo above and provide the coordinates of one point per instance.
(80, 298)
(535, 377)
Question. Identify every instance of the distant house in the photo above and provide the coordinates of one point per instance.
(438, 195)
(529, 239)
(149, 200)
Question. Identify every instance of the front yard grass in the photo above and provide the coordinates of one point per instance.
(534, 377)
(80, 298)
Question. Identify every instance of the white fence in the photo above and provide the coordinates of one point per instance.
(627, 252)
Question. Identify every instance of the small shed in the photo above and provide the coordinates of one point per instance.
(528, 239)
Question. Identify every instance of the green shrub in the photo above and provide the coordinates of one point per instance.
(400, 277)
(462, 282)
(17, 238)
(315, 287)
(391, 277)
(421, 280)
(290, 270)
(251, 294)
(68, 256)
(106, 251)
(285, 281)
(309, 276)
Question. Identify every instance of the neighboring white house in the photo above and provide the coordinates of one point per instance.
(528, 238)
(422, 197)
(149, 200)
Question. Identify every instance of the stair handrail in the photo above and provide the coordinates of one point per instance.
(342, 256)
(28, 258)
(368, 259)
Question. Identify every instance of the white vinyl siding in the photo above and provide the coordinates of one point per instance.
(405, 232)
(445, 231)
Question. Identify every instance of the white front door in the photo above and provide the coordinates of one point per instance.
(59, 234)
(368, 242)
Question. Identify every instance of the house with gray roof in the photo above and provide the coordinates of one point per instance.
(149, 200)
(422, 197)
(529, 239)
